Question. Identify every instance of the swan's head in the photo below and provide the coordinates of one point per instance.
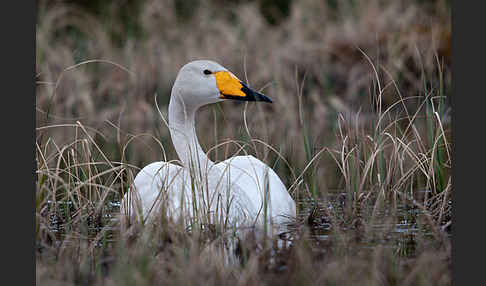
(203, 82)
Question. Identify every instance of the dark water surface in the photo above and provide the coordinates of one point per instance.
(396, 225)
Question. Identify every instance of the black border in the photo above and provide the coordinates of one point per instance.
(467, 125)
(18, 51)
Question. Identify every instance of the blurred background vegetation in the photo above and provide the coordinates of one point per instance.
(304, 54)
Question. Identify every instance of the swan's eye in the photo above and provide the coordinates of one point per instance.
(207, 72)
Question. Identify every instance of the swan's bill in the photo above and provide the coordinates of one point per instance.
(230, 87)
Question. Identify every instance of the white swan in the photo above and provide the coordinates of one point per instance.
(239, 191)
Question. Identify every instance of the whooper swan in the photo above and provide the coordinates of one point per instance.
(239, 191)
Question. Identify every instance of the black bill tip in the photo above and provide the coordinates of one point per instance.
(252, 95)
(261, 97)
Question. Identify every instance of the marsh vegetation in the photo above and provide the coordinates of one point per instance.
(359, 131)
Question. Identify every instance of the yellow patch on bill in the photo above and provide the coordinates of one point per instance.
(228, 84)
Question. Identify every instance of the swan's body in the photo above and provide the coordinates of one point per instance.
(239, 191)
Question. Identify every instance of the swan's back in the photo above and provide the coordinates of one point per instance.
(164, 186)
(156, 183)
(255, 178)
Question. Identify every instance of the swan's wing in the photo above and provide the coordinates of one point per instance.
(254, 177)
(156, 183)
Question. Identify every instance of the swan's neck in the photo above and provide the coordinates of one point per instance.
(183, 133)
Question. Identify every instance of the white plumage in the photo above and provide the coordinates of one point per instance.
(239, 191)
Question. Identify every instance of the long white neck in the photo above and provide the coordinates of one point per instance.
(183, 133)
(218, 192)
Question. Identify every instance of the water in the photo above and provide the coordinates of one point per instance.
(397, 226)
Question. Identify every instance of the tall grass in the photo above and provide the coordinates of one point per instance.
(359, 132)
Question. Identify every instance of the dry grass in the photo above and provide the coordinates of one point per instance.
(360, 97)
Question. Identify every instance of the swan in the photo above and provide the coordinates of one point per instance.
(240, 191)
